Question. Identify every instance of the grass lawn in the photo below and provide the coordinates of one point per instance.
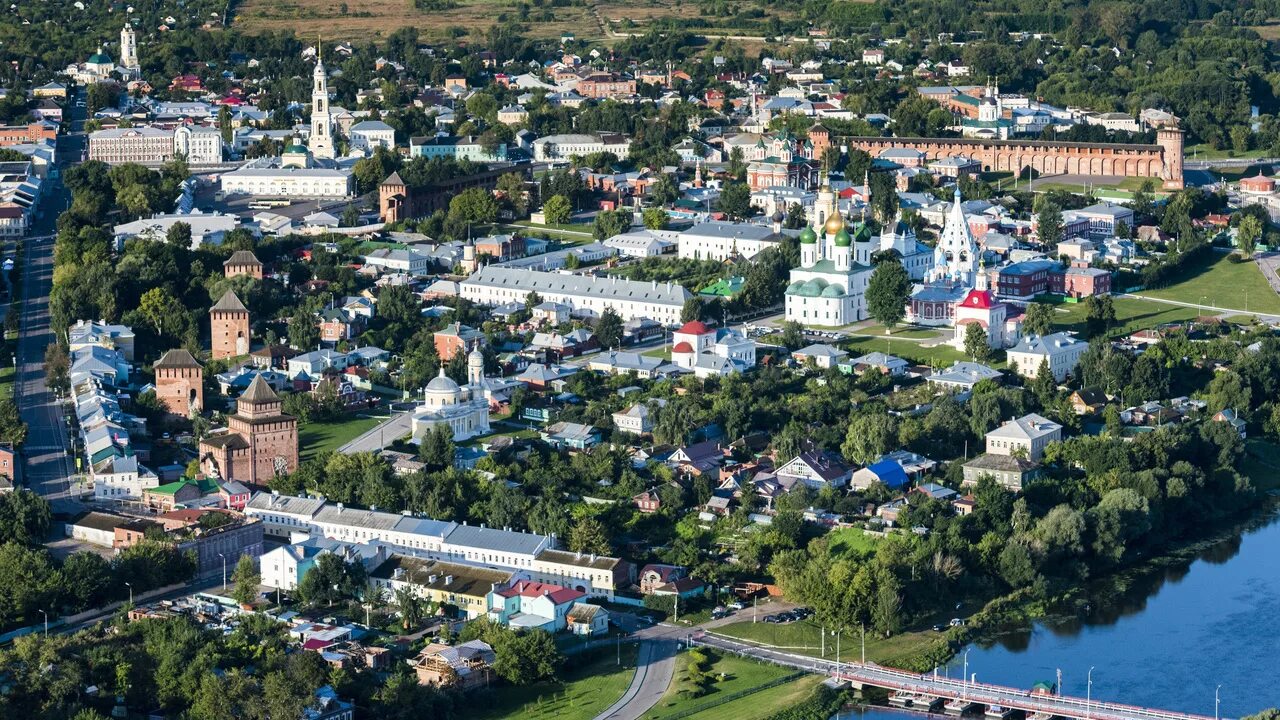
(662, 351)
(6, 381)
(315, 438)
(1225, 284)
(849, 540)
(760, 705)
(1205, 152)
(522, 434)
(1132, 314)
(805, 637)
(740, 675)
(938, 356)
(581, 694)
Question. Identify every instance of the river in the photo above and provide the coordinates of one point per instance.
(1168, 643)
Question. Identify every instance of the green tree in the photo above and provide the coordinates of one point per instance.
(655, 218)
(526, 657)
(976, 344)
(437, 448)
(588, 536)
(511, 188)
(1247, 234)
(1049, 226)
(870, 435)
(792, 337)
(1100, 314)
(664, 190)
(475, 206)
(557, 210)
(887, 293)
(884, 196)
(887, 612)
(410, 605)
(735, 201)
(179, 235)
(246, 579)
(303, 333)
(1038, 319)
(610, 223)
(608, 329)
(25, 518)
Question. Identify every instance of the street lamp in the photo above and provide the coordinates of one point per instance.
(130, 586)
(224, 570)
(46, 625)
(965, 679)
(1217, 701)
(1088, 696)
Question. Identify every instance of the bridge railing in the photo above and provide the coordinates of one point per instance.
(873, 672)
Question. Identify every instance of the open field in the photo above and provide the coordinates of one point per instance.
(937, 356)
(581, 695)
(911, 332)
(851, 540)
(1132, 314)
(370, 19)
(1225, 284)
(315, 438)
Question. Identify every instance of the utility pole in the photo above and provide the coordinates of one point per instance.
(863, 627)
(964, 693)
(1216, 699)
(1088, 696)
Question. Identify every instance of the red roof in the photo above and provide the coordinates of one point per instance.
(978, 299)
(694, 327)
(558, 593)
(682, 347)
(316, 644)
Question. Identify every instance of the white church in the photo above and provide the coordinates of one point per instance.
(829, 288)
(463, 409)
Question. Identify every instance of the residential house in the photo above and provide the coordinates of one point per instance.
(888, 472)
(1026, 436)
(963, 376)
(1061, 351)
(823, 356)
(699, 458)
(1088, 402)
(1011, 472)
(876, 360)
(638, 419)
(568, 435)
(464, 666)
(463, 587)
(527, 605)
(816, 469)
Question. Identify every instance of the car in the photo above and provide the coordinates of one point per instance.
(939, 628)
(956, 622)
(736, 606)
(771, 619)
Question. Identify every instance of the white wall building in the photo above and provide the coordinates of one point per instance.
(144, 145)
(1061, 350)
(723, 240)
(562, 147)
(291, 182)
(370, 134)
(1027, 436)
(199, 145)
(587, 296)
(463, 409)
(829, 288)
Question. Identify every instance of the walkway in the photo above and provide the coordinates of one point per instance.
(947, 688)
(1220, 311)
(381, 435)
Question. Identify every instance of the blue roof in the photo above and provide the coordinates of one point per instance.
(1028, 267)
(890, 473)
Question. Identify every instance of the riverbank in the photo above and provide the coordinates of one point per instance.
(1017, 612)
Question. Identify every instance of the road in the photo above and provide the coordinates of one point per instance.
(49, 465)
(382, 435)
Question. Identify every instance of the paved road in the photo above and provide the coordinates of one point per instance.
(655, 666)
(49, 464)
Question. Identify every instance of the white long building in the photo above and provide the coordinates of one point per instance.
(535, 556)
(724, 240)
(586, 296)
(563, 147)
(289, 182)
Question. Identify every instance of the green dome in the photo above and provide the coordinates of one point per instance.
(295, 148)
(832, 291)
(807, 236)
(862, 233)
(843, 239)
(812, 288)
(99, 58)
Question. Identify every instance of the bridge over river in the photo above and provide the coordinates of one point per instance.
(959, 694)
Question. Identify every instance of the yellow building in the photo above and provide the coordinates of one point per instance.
(466, 587)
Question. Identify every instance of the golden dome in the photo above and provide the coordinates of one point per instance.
(835, 224)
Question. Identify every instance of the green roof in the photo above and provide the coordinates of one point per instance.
(724, 287)
(206, 486)
(862, 233)
(807, 236)
(843, 239)
(169, 488)
(99, 58)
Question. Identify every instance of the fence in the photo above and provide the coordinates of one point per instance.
(722, 699)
